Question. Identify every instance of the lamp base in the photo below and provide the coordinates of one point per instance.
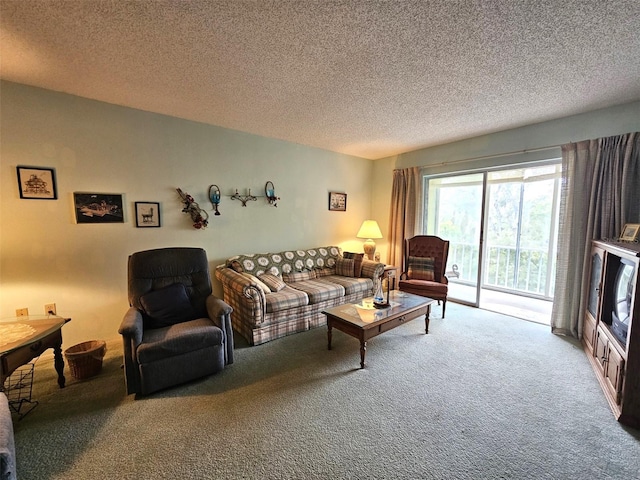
(369, 248)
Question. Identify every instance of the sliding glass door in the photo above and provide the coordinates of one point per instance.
(502, 229)
(454, 212)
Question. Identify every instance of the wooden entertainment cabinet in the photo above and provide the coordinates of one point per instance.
(613, 302)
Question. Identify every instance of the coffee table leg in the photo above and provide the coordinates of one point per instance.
(329, 335)
(58, 363)
(426, 320)
(363, 350)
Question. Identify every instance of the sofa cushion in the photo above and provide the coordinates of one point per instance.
(319, 290)
(285, 299)
(178, 339)
(357, 262)
(351, 285)
(274, 282)
(302, 276)
(421, 268)
(167, 306)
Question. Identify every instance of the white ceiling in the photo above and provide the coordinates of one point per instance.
(370, 78)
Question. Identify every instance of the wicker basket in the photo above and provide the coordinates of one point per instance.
(85, 359)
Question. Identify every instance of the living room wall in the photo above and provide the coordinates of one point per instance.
(540, 141)
(46, 257)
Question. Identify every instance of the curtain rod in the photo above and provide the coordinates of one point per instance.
(518, 152)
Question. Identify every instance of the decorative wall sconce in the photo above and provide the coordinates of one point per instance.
(243, 198)
(200, 217)
(270, 193)
(214, 197)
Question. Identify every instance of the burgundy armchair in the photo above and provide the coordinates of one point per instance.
(424, 268)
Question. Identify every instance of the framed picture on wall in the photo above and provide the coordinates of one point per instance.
(337, 202)
(147, 214)
(98, 207)
(37, 183)
(630, 232)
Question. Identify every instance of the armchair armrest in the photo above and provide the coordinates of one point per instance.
(220, 313)
(132, 326)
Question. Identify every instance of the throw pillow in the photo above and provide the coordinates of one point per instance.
(293, 277)
(324, 271)
(167, 306)
(421, 268)
(345, 267)
(235, 265)
(259, 283)
(358, 258)
(274, 282)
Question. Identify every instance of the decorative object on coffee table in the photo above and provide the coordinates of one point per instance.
(378, 297)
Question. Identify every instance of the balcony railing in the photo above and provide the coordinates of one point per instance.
(506, 268)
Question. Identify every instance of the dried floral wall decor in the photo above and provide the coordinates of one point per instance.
(200, 217)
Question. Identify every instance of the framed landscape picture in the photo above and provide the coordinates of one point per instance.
(98, 207)
(337, 202)
(630, 232)
(37, 183)
(147, 214)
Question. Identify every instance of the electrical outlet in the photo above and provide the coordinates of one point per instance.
(22, 312)
(50, 308)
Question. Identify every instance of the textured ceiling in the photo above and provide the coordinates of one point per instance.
(370, 78)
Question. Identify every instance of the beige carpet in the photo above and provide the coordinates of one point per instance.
(483, 396)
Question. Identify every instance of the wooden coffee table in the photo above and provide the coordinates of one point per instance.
(363, 321)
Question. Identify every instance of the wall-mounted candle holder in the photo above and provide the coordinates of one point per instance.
(214, 197)
(244, 198)
(270, 193)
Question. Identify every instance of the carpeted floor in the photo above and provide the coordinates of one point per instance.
(483, 396)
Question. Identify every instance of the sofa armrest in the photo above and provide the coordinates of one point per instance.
(372, 270)
(244, 296)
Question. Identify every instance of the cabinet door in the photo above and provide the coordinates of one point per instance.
(614, 372)
(595, 283)
(601, 347)
(589, 332)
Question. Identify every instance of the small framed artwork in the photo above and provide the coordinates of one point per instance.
(630, 232)
(337, 202)
(98, 207)
(147, 214)
(37, 183)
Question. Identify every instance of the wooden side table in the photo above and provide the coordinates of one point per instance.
(390, 272)
(41, 333)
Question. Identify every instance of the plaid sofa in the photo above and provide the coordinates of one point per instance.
(311, 285)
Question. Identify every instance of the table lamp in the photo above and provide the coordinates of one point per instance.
(369, 230)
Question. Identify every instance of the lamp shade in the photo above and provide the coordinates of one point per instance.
(369, 229)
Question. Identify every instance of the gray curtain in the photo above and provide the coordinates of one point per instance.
(600, 193)
(403, 222)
